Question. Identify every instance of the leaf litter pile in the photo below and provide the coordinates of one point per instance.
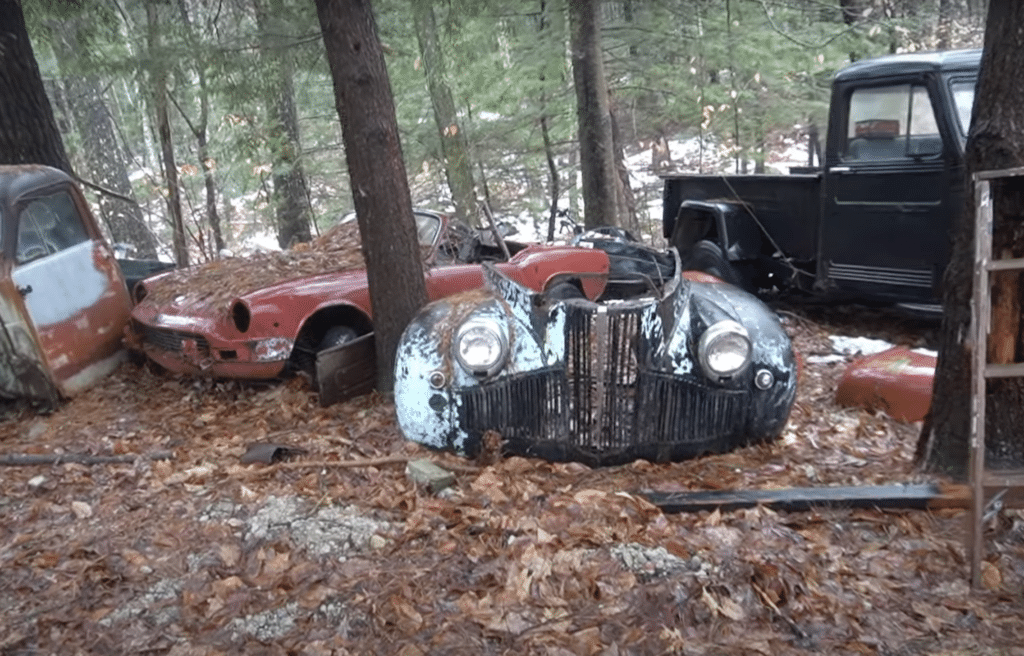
(218, 282)
(179, 548)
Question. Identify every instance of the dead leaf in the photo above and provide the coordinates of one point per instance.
(230, 554)
(731, 609)
(991, 577)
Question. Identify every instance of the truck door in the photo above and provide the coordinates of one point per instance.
(74, 296)
(887, 196)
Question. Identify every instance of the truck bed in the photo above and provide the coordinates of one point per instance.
(786, 206)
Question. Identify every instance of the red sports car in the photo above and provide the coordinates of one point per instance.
(271, 314)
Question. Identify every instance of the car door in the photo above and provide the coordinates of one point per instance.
(887, 195)
(73, 293)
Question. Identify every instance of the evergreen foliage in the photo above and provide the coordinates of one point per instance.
(736, 74)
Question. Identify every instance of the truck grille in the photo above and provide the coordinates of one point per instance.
(170, 340)
(881, 275)
(603, 403)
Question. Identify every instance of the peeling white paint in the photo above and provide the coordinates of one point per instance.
(55, 298)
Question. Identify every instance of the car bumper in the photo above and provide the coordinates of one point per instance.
(195, 354)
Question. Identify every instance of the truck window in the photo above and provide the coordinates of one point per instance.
(963, 96)
(891, 123)
(48, 224)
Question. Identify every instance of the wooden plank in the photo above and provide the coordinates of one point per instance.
(981, 317)
(922, 496)
(906, 497)
(999, 173)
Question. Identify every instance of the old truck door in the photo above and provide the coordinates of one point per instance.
(888, 181)
(66, 275)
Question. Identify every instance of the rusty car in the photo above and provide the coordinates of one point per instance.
(63, 298)
(274, 314)
(658, 364)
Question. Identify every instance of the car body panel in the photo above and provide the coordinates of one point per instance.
(602, 383)
(897, 381)
(64, 299)
(196, 335)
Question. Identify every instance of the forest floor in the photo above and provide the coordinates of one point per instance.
(336, 551)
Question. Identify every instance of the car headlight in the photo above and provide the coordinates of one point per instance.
(724, 349)
(481, 346)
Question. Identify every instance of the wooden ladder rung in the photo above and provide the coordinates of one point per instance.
(1004, 370)
(1010, 264)
(999, 478)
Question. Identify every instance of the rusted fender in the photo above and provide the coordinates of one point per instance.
(897, 381)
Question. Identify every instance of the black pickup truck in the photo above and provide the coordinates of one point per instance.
(873, 224)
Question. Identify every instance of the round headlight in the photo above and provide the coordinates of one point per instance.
(724, 349)
(481, 346)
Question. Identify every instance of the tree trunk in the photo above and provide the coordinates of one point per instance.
(104, 155)
(293, 216)
(624, 199)
(158, 80)
(597, 165)
(995, 142)
(380, 189)
(199, 130)
(554, 184)
(28, 131)
(454, 149)
(945, 25)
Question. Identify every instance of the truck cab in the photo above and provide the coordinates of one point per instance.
(873, 224)
(894, 174)
(63, 299)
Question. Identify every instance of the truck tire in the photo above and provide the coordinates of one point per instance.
(707, 256)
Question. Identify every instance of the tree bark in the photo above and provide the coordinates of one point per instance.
(380, 188)
(995, 142)
(28, 130)
(158, 80)
(200, 130)
(597, 165)
(454, 148)
(293, 216)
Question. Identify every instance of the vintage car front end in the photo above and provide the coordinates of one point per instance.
(685, 369)
(254, 336)
(188, 340)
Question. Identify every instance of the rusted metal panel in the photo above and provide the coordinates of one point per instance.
(599, 382)
(63, 301)
(897, 381)
(346, 371)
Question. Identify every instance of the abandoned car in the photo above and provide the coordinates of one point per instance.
(659, 365)
(272, 314)
(63, 300)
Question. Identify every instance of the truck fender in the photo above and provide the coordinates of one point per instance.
(725, 223)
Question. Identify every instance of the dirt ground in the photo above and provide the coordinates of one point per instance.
(182, 549)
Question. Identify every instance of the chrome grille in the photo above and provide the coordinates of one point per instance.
(170, 340)
(603, 401)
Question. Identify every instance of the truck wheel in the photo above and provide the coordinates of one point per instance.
(707, 256)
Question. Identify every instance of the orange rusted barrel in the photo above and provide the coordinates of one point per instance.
(897, 381)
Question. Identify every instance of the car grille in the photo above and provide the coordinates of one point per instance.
(603, 403)
(170, 340)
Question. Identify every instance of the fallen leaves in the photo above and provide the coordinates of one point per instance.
(518, 556)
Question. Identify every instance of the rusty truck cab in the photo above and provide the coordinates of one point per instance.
(63, 300)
